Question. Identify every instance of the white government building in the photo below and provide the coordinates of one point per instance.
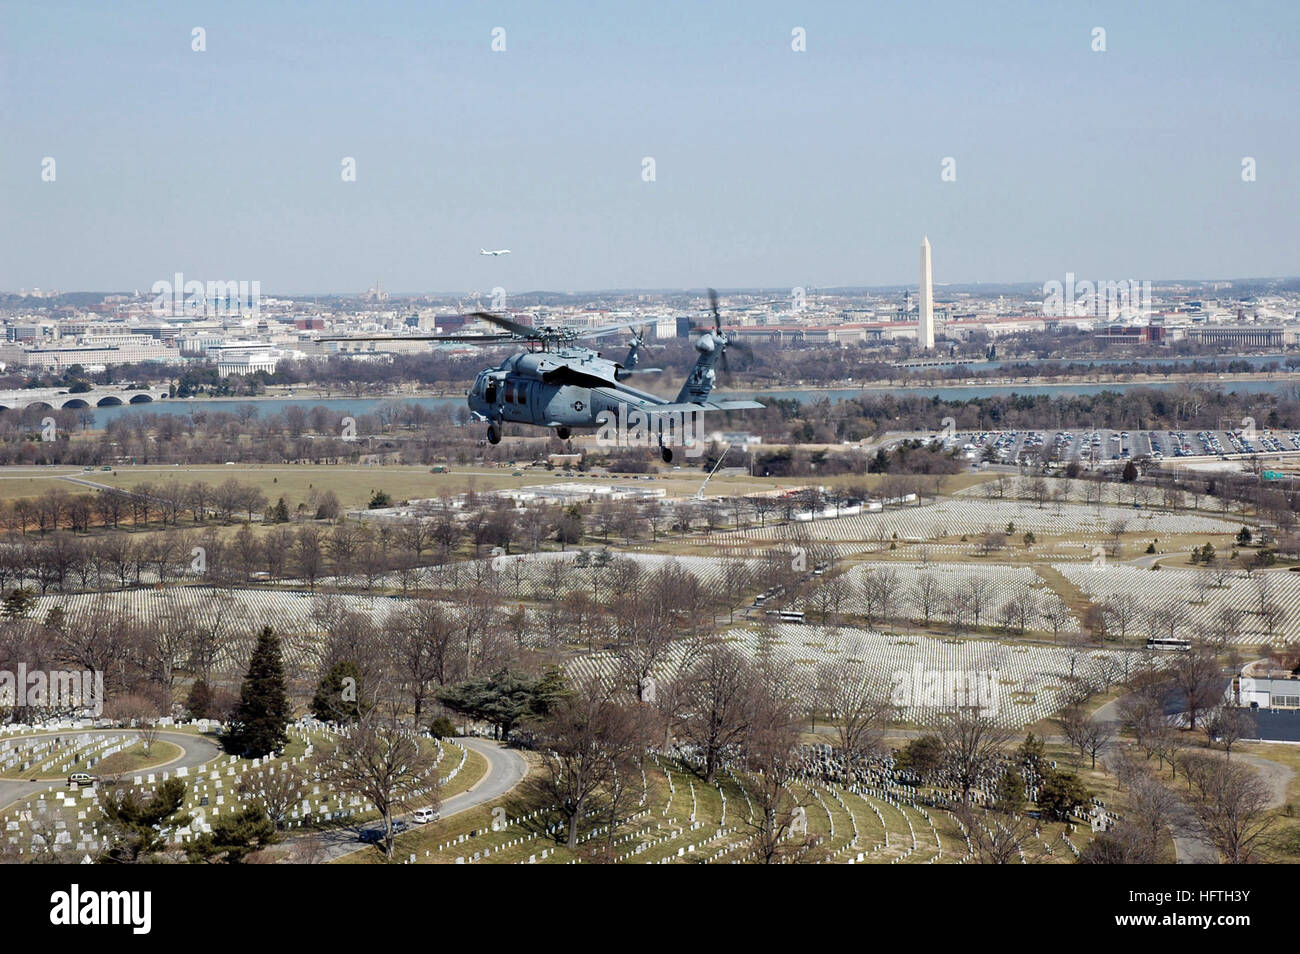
(245, 358)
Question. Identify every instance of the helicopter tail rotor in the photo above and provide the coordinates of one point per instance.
(721, 340)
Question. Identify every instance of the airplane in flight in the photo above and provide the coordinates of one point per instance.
(499, 251)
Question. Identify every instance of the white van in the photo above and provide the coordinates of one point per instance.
(422, 816)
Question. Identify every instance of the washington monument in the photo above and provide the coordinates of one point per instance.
(925, 313)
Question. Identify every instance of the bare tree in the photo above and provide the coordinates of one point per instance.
(1197, 677)
(669, 612)
(383, 761)
(972, 745)
(926, 594)
(1233, 804)
(1150, 811)
(1225, 628)
(276, 792)
(1142, 710)
(990, 542)
(879, 594)
(1086, 734)
(1123, 611)
(422, 641)
(1227, 725)
(585, 744)
(147, 729)
(138, 712)
(976, 594)
(778, 829)
(717, 702)
(995, 840)
(860, 707)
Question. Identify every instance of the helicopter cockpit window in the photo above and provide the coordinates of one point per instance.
(490, 394)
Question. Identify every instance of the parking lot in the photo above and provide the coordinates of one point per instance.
(1105, 448)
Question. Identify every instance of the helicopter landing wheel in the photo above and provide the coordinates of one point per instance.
(494, 434)
(562, 433)
(667, 454)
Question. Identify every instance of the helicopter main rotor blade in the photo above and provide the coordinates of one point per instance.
(603, 330)
(512, 326)
(477, 339)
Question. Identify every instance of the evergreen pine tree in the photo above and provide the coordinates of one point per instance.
(234, 837)
(1010, 793)
(200, 700)
(56, 619)
(19, 603)
(258, 725)
(136, 824)
(1032, 753)
(338, 697)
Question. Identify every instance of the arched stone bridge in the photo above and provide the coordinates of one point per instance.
(60, 398)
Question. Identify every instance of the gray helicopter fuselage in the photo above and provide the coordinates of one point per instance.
(571, 387)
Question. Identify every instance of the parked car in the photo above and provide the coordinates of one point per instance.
(422, 816)
(78, 779)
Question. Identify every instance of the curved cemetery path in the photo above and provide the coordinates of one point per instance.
(506, 769)
(1190, 845)
(196, 750)
(1276, 775)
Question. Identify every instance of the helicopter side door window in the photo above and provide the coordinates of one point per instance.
(521, 396)
(490, 394)
(510, 392)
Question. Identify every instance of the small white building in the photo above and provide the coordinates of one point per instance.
(1273, 690)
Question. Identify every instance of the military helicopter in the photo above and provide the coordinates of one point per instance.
(561, 384)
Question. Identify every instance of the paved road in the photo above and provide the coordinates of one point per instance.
(1276, 775)
(196, 750)
(82, 481)
(1190, 845)
(506, 769)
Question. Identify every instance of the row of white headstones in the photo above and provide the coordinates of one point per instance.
(210, 791)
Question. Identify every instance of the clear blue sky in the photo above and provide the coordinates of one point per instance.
(774, 168)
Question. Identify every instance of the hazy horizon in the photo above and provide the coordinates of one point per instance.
(739, 290)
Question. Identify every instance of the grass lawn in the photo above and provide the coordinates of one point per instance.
(476, 767)
(134, 759)
(355, 483)
(128, 761)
